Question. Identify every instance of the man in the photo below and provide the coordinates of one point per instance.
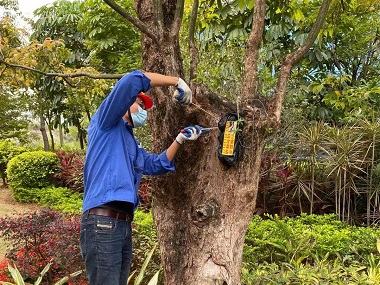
(114, 165)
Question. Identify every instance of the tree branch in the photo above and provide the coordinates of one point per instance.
(63, 75)
(177, 18)
(136, 22)
(192, 47)
(252, 53)
(291, 59)
(158, 17)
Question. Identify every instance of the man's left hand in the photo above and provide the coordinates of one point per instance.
(183, 93)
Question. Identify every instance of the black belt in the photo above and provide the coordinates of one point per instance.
(110, 213)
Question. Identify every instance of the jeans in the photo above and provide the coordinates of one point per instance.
(106, 248)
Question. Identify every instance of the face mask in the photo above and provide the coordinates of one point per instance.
(139, 118)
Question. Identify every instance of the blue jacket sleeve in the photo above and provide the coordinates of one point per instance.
(122, 96)
(155, 164)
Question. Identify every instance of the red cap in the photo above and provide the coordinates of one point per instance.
(147, 101)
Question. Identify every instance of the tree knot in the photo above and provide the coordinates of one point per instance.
(201, 214)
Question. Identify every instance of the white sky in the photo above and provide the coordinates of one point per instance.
(28, 6)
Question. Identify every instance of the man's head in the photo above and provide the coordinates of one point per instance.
(137, 114)
(147, 101)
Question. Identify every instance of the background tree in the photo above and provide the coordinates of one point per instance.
(12, 108)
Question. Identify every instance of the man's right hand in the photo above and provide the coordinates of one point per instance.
(183, 93)
(190, 133)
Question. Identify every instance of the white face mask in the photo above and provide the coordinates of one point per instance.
(139, 119)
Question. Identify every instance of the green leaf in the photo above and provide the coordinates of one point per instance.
(66, 278)
(241, 5)
(43, 272)
(298, 15)
(16, 275)
(251, 4)
(154, 279)
(144, 266)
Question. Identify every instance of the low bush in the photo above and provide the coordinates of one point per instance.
(278, 240)
(70, 172)
(323, 272)
(32, 169)
(36, 238)
(60, 199)
(8, 150)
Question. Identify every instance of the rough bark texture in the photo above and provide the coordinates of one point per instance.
(203, 209)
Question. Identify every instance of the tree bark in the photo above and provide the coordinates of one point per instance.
(44, 134)
(203, 209)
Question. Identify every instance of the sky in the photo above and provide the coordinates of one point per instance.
(28, 6)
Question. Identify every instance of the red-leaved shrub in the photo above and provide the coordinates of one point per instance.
(36, 238)
(70, 173)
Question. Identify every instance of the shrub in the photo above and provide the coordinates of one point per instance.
(60, 199)
(36, 239)
(145, 194)
(283, 240)
(4, 272)
(32, 169)
(70, 172)
(323, 272)
(8, 150)
(144, 239)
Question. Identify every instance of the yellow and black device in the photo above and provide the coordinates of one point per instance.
(231, 147)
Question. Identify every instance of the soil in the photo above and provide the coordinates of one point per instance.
(9, 207)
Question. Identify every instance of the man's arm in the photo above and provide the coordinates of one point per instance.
(172, 150)
(183, 92)
(191, 133)
(157, 79)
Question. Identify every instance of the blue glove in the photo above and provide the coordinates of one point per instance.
(190, 133)
(183, 93)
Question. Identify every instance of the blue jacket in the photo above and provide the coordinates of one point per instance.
(115, 162)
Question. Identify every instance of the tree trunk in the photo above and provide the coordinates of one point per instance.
(60, 134)
(44, 134)
(52, 138)
(202, 210)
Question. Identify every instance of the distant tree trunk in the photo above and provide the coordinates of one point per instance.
(81, 136)
(60, 134)
(4, 181)
(44, 134)
(51, 138)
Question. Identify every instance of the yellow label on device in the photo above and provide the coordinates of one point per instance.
(229, 138)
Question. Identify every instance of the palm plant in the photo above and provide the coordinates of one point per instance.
(372, 131)
(347, 153)
(310, 140)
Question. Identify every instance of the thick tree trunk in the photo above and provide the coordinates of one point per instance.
(203, 209)
(202, 213)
